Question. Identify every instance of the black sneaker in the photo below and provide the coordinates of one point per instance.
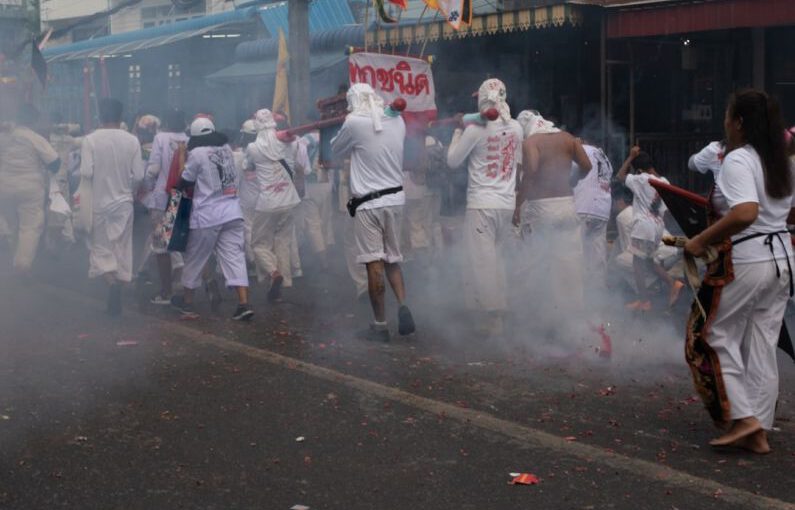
(114, 300)
(406, 324)
(275, 292)
(186, 309)
(243, 313)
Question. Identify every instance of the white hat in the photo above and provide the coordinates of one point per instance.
(202, 126)
(248, 127)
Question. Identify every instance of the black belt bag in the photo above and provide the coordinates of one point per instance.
(355, 202)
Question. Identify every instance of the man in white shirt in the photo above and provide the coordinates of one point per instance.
(274, 213)
(374, 142)
(647, 227)
(111, 161)
(592, 202)
(164, 146)
(26, 159)
(493, 151)
(216, 220)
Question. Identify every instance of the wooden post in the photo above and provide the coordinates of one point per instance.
(299, 70)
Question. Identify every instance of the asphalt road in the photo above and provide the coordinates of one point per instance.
(294, 408)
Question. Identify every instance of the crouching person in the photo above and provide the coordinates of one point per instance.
(216, 220)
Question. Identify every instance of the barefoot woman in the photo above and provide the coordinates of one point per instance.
(732, 353)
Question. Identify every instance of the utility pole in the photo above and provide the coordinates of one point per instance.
(298, 47)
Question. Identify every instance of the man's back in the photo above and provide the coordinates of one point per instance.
(550, 157)
(23, 155)
(376, 157)
(112, 157)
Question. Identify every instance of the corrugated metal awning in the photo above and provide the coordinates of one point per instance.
(681, 18)
(264, 71)
(136, 40)
(323, 15)
(485, 24)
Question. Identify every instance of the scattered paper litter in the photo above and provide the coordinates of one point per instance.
(299, 507)
(300, 439)
(126, 343)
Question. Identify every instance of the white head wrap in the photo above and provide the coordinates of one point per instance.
(362, 100)
(492, 94)
(266, 141)
(149, 122)
(534, 124)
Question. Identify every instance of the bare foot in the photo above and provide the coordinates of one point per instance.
(676, 291)
(756, 443)
(740, 429)
(721, 424)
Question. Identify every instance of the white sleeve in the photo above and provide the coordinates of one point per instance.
(462, 145)
(736, 180)
(520, 145)
(192, 168)
(634, 183)
(343, 143)
(87, 159)
(707, 159)
(153, 166)
(137, 166)
(302, 158)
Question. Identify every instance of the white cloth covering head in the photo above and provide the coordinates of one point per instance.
(266, 141)
(149, 123)
(362, 100)
(492, 94)
(534, 124)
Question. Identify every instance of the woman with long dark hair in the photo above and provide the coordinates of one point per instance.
(732, 346)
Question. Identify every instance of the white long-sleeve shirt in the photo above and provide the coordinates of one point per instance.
(111, 158)
(494, 151)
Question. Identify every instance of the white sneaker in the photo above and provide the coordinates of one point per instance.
(160, 300)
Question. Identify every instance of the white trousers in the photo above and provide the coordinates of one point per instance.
(552, 259)
(271, 240)
(744, 334)
(486, 233)
(227, 241)
(22, 208)
(315, 217)
(593, 232)
(111, 243)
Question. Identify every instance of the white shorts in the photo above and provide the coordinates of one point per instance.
(227, 241)
(377, 233)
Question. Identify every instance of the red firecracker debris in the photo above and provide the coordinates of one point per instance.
(606, 349)
(524, 479)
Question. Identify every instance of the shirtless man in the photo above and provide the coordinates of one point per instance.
(545, 209)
